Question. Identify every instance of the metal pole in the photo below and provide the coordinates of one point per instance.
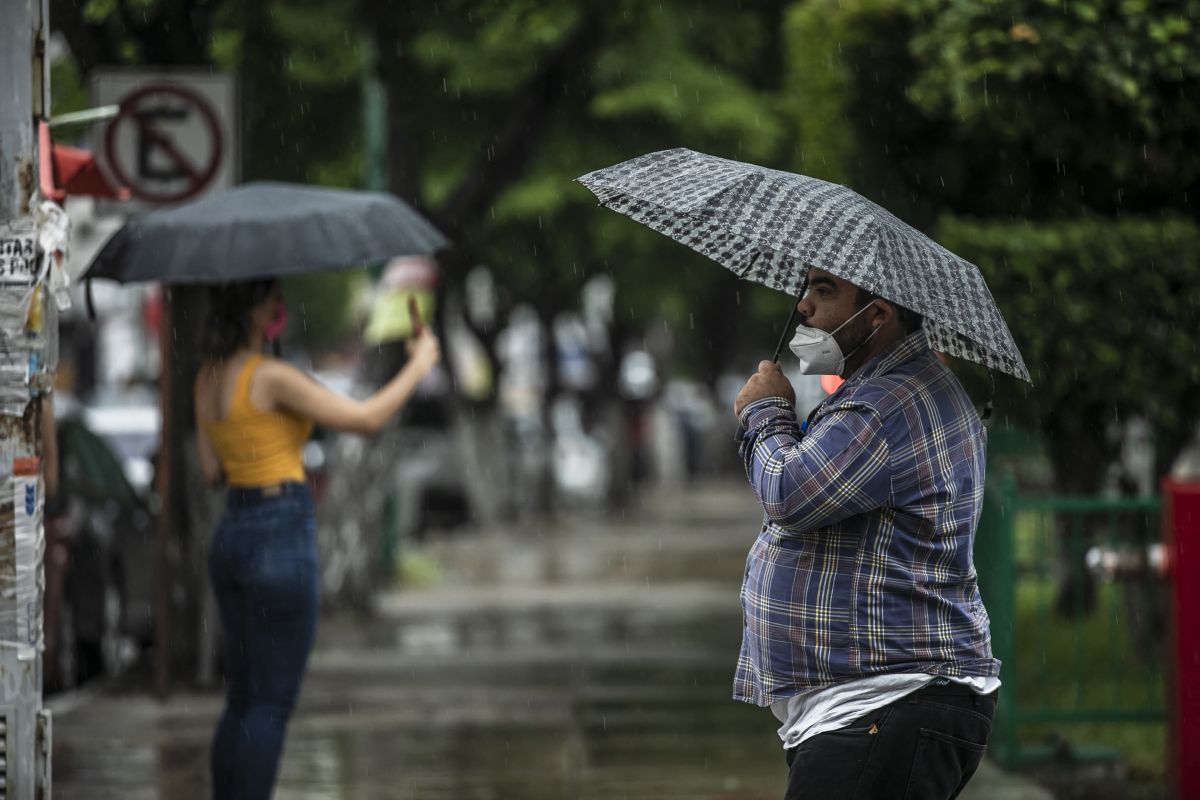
(24, 726)
(166, 511)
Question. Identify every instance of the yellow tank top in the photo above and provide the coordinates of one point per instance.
(255, 447)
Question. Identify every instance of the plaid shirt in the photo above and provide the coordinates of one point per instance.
(863, 565)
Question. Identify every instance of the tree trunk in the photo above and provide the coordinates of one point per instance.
(350, 521)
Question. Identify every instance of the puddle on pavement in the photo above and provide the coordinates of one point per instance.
(472, 727)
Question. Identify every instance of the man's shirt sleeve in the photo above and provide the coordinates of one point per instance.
(838, 470)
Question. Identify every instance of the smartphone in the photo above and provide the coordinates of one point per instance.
(414, 317)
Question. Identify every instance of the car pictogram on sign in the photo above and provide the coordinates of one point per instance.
(165, 144)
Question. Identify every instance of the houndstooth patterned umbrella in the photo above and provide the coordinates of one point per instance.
(771, 226)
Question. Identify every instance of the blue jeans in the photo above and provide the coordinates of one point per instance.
(263, 566)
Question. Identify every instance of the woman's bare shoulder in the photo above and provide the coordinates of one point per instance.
(279, 375)
(277, 367)
(206, 374)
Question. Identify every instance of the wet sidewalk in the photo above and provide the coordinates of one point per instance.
(589, 659)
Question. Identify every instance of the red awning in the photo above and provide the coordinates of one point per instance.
(69, 170)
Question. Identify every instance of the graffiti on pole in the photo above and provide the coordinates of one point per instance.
(18, 252)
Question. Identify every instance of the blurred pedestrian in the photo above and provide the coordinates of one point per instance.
(253, 416)
(864, 629)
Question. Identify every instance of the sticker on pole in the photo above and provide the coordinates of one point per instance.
(18, 253)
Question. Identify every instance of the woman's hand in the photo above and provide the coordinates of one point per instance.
(425, 350)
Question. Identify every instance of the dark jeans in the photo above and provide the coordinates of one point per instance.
(925, 746)
(263, 565)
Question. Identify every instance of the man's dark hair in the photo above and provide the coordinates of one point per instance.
(910, 320)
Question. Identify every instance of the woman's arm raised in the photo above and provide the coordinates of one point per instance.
(292, 390)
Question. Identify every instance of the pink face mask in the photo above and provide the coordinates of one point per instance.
(277, 324)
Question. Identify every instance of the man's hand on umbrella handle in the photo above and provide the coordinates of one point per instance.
(769, 381)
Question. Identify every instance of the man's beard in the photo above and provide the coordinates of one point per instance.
(852, 338)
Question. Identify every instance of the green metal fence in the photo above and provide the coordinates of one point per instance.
(1078, 611)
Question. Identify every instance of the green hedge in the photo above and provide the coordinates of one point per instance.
(1106, 313)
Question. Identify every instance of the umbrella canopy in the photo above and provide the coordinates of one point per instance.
(264, 230)
(771, 227)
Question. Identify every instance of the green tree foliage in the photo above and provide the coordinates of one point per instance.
(1001, 109)
(1069, 115)
(1107, 316)
(848, 70)
(1047, 124)
(496, 108)
(1094, 101)
(492, 110)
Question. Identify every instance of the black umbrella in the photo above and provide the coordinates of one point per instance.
(264, 230)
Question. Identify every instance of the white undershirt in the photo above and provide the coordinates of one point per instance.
(832, 707)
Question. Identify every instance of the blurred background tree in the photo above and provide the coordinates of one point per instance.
(985, 115)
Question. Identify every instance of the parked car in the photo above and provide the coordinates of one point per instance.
(100, 570)
(133, 432)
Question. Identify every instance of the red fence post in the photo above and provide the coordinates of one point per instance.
(1181, 532)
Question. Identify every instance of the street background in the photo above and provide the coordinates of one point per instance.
(530, 581)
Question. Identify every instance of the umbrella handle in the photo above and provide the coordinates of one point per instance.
(784, 336)
(791, 318)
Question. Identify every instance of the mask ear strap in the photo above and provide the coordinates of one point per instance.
(791, 318)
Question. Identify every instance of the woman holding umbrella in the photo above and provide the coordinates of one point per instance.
(253, 416)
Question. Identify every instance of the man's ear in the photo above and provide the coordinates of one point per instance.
(882, 313)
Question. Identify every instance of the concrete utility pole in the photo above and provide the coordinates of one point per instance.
(24, 365)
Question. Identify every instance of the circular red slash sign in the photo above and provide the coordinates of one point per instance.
(161, 142)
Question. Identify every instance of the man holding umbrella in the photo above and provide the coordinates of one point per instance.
(863, 630)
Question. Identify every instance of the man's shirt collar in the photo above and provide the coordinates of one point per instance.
(900, 352)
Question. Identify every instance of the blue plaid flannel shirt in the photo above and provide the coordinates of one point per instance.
(864, 562)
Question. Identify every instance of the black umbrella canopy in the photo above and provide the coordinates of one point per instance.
(264, 230)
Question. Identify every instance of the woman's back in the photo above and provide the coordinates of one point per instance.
(256, 447)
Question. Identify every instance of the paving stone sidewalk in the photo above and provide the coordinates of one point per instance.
(589, 658)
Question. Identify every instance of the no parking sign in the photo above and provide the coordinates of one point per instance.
(175, 138)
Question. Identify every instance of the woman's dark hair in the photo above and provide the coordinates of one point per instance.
(229, 309)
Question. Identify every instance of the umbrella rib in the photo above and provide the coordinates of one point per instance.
(754, 254)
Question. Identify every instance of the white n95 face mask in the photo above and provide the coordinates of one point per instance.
(819, 352)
